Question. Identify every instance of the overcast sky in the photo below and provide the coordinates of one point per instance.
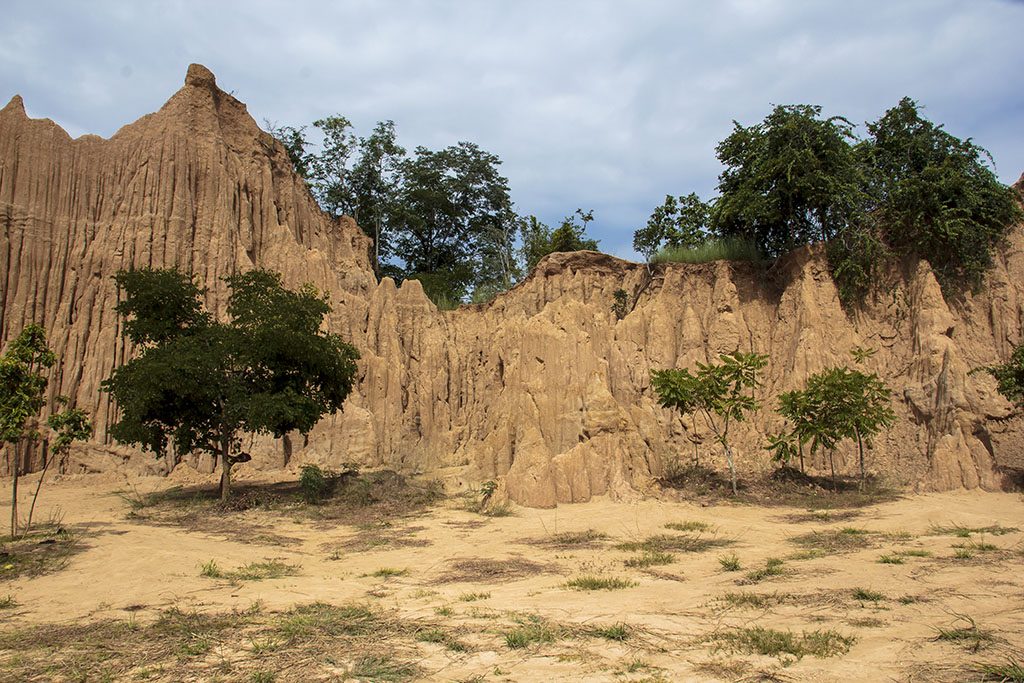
(600, 105)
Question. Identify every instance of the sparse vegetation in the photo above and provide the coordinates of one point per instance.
(867, 595)
(589, 582)
(730, 563)
(619, 631)
(772, 567)
(669, 542)
(842, 540)
(968, 636)
(767, 641)
(254, 571)
(690, 525)
(965, 531)
(650, 559)
(724, 249)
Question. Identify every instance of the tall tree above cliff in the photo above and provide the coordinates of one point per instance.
(789, 180)
(200, 383)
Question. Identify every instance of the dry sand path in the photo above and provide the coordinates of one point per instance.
(479, 577)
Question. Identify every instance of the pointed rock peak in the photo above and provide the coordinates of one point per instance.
(16, 105)
(201, 77)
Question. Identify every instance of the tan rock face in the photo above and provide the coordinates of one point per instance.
(542, 389)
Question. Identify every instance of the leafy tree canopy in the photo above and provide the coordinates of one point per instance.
(789, 180)
(678, 223)
(199, 383)
(539, 240)
(717, 391)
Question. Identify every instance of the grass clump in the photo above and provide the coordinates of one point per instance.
(525, 635)
(968, 636)
(842, 540)
(387, 572)
(726, 249)
(575, 539)
(965, 531)
(619, 631)
(730, 563)
(589, 582)
(771, 642)
(670, 542)
(690, 525)
(1008, 671)
(751, 599)
(890, 559)
(650, 559)
(867, 595)
(254, 571)
(472, 597)
(772, 567)
(914, 552)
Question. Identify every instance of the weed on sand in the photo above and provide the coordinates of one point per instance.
(771, 642)
(847, 539)
(254, 571)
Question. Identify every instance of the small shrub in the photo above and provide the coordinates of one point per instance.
(730, 563)
(890, 559)
(315, 483)
(867, 594)
(471, 597)
(767, 641)
(527, 634)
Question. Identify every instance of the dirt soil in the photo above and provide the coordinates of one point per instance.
(924, 587)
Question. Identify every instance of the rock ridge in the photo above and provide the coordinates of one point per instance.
(544, 389)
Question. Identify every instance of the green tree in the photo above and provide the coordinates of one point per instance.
(376, 177)
(539, 240)
(449, 203)
(934, 197)
(331, 170)
(23, 383)
(295, 143)
(199, 383)
(716, 391)
(789, 180)
(837, 404)
(1009, 376)
(678, 223)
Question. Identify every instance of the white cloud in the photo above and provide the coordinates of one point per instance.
(602, 105)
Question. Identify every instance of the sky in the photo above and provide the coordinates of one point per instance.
(604, 106)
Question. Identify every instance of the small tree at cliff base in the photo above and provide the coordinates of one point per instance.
(837, 404)
(200, 383)
(23, 384)
(716, 391)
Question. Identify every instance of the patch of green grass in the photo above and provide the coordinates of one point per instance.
(751, 599)
(866, 594)
(890, 559)
(673, 542)
(650, 559)
(8, 603)
(376, 667)
(727, 249)
(319, 619)
(914, 552)
(978, 546)
(589, 582)
(1008, 671)
(387, 572)
(254, 571)
(689, 525)
(569, 539)
(771, 642)
(470, 597)
(772, 567)
(968, 636)
(619, 631)
(730, 563)
(842, 540)
(444, 611)
(441, 637)
(525, 635)
(965, 531)
(907, 599)
(963, 554)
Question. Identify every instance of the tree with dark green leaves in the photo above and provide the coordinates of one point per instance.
(789, 180)
(539, 240)
(1009, 376)
(717, 391)
(837, 404)
(677, 223)
(23, 383)
(199, 383)
(449, 203)
(932, 195)
(376, 178)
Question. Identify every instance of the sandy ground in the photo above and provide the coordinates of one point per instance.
(126, 569)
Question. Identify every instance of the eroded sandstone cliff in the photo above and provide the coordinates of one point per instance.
(542, 389)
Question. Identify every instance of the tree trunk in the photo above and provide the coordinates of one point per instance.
(860, 446)
(696, 459)
(14, 490)
(225, 463)
(832, 464)
(39, 485)
(800, 448)
(732, 468)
